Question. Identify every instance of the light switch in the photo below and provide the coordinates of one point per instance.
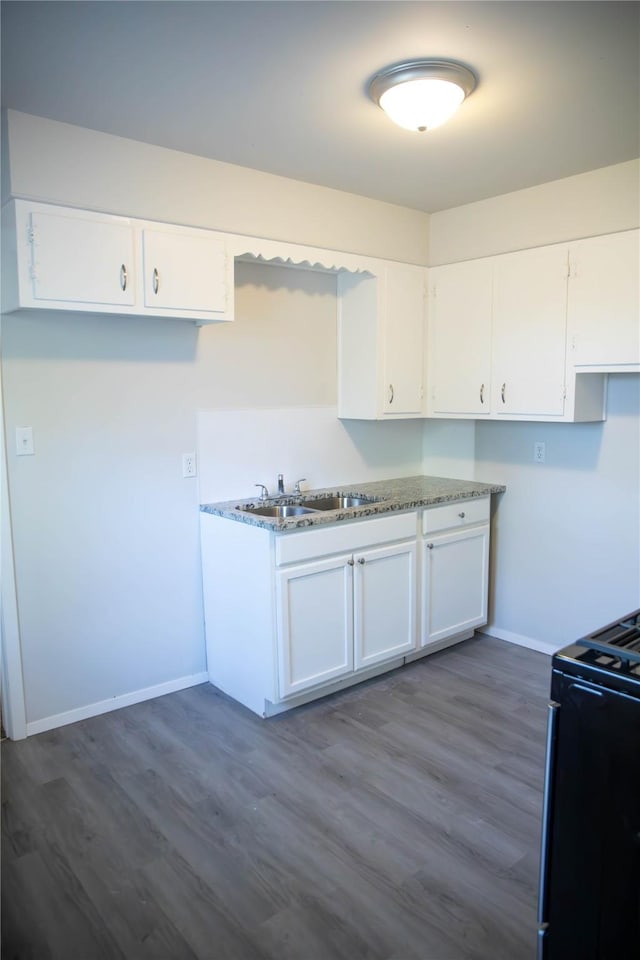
(24, 441)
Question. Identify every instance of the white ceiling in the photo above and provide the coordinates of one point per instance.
(281, 86)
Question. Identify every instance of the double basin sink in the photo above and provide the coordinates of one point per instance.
(310, 506)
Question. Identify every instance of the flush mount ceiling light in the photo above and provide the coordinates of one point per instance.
(421, 94)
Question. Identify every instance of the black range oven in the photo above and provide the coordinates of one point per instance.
(589, 897)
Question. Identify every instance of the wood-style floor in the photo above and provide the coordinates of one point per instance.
(398, 820)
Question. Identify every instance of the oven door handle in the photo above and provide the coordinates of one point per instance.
(547, 809)
(579, 686)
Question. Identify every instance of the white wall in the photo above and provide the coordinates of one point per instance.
(598, 202)
(239, 448)
(105, 529)
(448, 448)
(565, 551)
(280, 351)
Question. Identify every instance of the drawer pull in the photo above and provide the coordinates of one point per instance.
(461, 515)
(429, 546)
(503, 391)
(390, 394)
(123, 277)
(351, 562)
(482, 393)
(156, 280)
(360, 559)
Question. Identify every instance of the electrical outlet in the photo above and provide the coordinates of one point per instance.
(189, 466)
(24, 441)
(539, 452)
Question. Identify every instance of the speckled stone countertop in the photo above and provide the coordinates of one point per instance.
(407, 493)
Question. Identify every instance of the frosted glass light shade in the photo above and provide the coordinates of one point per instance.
(422, 104)
(421, 94)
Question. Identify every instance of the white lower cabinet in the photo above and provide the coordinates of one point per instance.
(384, 604)
(292, 616)
(455, 570)
(314, 623)
(344, 613)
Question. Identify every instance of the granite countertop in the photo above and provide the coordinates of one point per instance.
(407, 493)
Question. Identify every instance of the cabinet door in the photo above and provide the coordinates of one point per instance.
(184, 272)
(403, 318)
(459, 350)
(604, 301)
(315, 623)
(384, 603)
(86, 260)
(455, 580)
(529, 332)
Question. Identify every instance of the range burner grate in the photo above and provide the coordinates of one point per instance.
(616, 647)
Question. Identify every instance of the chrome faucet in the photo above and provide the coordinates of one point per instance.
(297, 489)
(264, 493)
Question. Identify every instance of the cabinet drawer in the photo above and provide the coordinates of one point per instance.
(344, 537)
(458, 514)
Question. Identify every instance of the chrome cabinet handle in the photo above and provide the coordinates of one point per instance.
(123, 277)
(461, 514)
(502, 392)
(390, 393)
(156, 280)
(351, 562)
(482, 393)
(360, 559)
(429, 546)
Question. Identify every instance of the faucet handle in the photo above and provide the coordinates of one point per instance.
(297, 489)
(264, 493)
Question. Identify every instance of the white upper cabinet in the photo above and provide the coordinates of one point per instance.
(403, 332)
(604, 303)
(529, 332)
(459, 347)
(497, 341)
(78, 259)
(184, 271)
(381, 327)
(60, 258)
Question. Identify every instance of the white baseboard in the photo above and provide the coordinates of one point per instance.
(542, 646)
(114, 703)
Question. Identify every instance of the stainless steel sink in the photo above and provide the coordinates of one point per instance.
(339, 503)
(322, 504)
(276, 510)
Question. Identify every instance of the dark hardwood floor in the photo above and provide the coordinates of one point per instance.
(398, 820)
